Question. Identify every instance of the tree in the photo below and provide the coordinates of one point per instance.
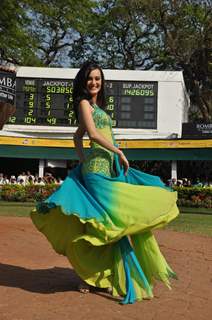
(122, 37)
(144, 34)
(17, 43)
(186, 28)
(155, 34)
(36, 33)
(58, 26)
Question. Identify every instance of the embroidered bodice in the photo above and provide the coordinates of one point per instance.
(100, 159)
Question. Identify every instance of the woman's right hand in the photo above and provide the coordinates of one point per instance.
(123, 162)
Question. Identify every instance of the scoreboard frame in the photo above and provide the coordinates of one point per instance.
(171, 100)
(39, 101)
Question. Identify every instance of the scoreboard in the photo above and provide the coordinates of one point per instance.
(142, 104)
(48, 102)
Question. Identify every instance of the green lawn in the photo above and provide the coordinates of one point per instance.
(194, 220)
(196, 210)
(16, 209)
(194, 223)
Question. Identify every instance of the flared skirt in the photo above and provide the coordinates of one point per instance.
(103, 225)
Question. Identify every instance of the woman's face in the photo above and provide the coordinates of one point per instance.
(94, 82)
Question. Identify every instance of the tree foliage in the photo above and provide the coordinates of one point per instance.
(57, 26)
(33, 32)
(17, 45)
(186, 28)
(138, 34)
(124, 37)
(158, 34)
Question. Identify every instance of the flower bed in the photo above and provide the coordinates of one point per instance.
(26, 193)
(196, 197)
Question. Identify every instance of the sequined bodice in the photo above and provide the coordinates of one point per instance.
(100, 159)
(101, 118)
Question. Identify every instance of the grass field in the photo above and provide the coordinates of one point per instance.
(16, 209)
(194, 220)
(193, 223)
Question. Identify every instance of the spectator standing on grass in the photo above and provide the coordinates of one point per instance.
(1, 178)
(29, 177)
(36, 177)
(13, 180)
(185, 182)
(179, 183)
(23, 177)
(189, 184)
(58, 181)
(21, 182)
(198, 183)
(29, 180)
(49, 178)
(39, 181)
(172, 182)
(6, 180)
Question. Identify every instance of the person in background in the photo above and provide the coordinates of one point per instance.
(13, 180)
(6, 180)
(189, 184)
(198, 183)
(58, 181)
(29, 180)
(23, 177)
(39, 181)
(1, 178)
(29, 176)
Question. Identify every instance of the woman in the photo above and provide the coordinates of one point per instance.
(103, 204)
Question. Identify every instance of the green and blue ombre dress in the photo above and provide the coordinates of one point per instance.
(102, 221)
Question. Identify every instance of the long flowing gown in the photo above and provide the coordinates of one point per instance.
(102, 221)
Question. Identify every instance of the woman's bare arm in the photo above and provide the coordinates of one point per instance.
(86, 120)
(78, 142)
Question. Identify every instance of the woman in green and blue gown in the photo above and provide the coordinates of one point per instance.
(103, 214)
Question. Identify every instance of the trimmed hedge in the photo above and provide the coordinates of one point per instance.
(196, 197)
(21, 193)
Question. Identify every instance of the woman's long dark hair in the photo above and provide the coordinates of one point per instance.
(80, 91)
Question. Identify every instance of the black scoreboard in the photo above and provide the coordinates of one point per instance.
(48, 102)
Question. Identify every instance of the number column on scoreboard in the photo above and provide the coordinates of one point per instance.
(26, 102)
(68, 110)
(111, 101)
(55, 102)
